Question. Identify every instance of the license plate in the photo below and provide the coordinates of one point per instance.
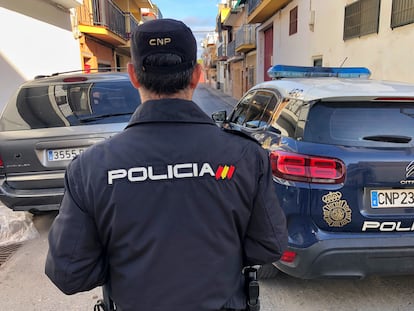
(392, 198)
(63, 154)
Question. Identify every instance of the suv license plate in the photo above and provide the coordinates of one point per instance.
(63, 154)
(392, 198)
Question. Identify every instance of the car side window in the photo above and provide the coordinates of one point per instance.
(240, 112)
(255, 109)
(287, 116)
(268, 111)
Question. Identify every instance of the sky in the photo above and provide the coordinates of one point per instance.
(199, 15)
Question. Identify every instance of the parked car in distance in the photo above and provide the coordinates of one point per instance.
(47, 123)
(341, 147)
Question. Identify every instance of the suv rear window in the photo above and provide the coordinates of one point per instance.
(58, 105)
(381, 124)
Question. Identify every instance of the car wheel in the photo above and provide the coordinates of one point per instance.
(267, 271)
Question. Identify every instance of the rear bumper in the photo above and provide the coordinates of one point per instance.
(31, 200)
(356, 256)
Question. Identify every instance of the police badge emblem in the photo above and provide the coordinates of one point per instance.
(336, 212)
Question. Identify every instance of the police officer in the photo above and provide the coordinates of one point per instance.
(168, 212)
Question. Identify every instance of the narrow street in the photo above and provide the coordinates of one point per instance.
(211, 100)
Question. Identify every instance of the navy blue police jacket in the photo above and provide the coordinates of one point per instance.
(167, 212)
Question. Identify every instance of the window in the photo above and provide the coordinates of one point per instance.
(239, 114)
(286, 117)
(250, 77)
(104, 67)
(361, 18)
(293, 22)
(356, 123)
(261, 110)
(317, 62)
(402, 13)
(255, 110)
(70, 104)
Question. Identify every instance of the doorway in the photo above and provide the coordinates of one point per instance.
(268, 52)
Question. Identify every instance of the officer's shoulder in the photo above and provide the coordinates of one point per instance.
(240, 134)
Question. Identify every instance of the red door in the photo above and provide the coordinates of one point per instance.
(268, 51)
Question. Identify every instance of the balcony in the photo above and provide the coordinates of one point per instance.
(246, 38)
(231, 49)
(105, 20)
(232, 16)
(102, 19)
(261, 10)
(68, 4)
(222, 52)
(133, 23)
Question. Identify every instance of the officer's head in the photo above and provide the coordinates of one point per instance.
(164, 56)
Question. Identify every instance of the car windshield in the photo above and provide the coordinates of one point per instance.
(61, 105)
(361, 124)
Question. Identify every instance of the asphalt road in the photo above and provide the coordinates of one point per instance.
(212, 100)
(24, 286)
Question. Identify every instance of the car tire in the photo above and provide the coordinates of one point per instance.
(267, 271)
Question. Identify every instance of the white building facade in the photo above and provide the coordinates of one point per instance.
(377, 34)
(37, 39)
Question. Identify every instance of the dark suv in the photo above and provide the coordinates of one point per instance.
(342, 154)
(47, 123)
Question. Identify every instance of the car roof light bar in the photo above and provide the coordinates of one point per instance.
(284, 71)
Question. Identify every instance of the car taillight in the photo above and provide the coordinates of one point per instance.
(288, 256)
(1, 163)
(299, 167)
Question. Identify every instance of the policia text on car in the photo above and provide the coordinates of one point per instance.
(168, 212)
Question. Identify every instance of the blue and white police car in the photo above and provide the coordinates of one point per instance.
(341, 147)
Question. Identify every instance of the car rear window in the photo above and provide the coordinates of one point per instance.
(61, 105)
(361, 123)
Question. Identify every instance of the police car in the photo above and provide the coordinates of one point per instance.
(341, 147)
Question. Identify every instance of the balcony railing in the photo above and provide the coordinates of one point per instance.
(231, 49)
(108, 15)
(222, 52)
(133, 23)
(252, 5)
(103, 13)
(258, 11)
(246, 38)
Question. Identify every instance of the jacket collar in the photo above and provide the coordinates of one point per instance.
(169, 111)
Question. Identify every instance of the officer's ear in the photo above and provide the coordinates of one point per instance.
(133, 76)
(195, 78)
